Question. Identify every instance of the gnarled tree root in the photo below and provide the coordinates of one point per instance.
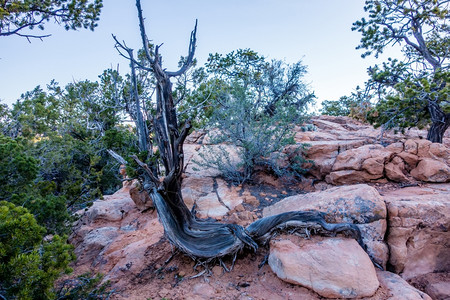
(210, 240)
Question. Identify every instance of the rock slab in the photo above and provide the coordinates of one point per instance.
(399, 289)
(332, 267)
(419, 232)
(360, 204)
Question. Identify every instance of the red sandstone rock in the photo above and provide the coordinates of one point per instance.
(431, 170)
(395, 170)
(353, 159)
(410, 146)
(350, 177)
(395, 147)
(332, 267)
(399, 288)
(419, 232)
(140, 197)
(411, 160)
(360, 204)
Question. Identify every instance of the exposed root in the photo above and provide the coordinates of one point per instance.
(199, 274)
(264, 261)
(208, 241)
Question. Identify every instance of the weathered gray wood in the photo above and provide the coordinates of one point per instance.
(203, 239)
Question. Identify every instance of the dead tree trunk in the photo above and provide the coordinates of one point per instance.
(203, 239)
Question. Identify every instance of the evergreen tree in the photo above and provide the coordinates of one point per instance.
(414, 92)
(19, 15)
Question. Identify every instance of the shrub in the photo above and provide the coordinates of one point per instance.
(29, 265)
(257, 137)
(87, 286)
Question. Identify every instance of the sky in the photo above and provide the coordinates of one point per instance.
(317, 32)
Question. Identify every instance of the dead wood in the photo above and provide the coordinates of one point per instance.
(203, 240)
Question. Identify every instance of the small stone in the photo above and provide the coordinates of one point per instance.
(217, 270)
(239, 208)
(251, 200)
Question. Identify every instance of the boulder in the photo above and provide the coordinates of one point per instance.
(140, 197)
(373, 165)
(324, 154)
(327, 125)
(423, 147)
(194, 187)
(209, 207)
(439, 290)
(398, 288)
(419, 231)
(350, 177)
(440, 152)
(94, 242)
(431, 170)
(332, 267)
(436, 285)
(395, 170)
(112, 208)
(396, 147)
(410, 146)
(228, 195)
(306, 136)
(360, 204)
(411, 160)
(353, 159)
(212, 196)
(329, 149)
(195, 137)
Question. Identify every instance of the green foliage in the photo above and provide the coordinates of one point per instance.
(16, 16)
(69, 130)
(256, 105)
(18, 169)
(18, 185)
(38, 112)
(356, 106)
(267, 82)
(397, 21)
(258, 138)
(57, 158)
(199, 104)
(339, 107)
(29, 265)
(406, 107)
(413, 92)
(49, 210)
(87, 286)
(5, 118)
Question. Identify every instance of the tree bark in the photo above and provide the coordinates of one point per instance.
(201, 239)
(440, 123)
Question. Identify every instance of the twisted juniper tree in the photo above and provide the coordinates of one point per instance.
(414, 92)
(162, 170)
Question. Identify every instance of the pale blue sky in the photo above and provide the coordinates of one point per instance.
(318, 32)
